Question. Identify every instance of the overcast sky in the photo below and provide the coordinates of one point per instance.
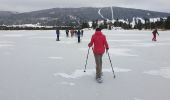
(33, 5)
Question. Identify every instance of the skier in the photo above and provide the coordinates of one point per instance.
(154, 34)
(78, 35)
(58, 34)
(100, 44)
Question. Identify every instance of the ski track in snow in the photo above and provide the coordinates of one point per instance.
(6, 44)
(121, 52)
(67, 42)
(137, 98)
(139, 45)
(43, 37)
(99, 12)
(112, 12)
(116, 51)
(13, 35)
(110, 40)
(163, 72)
(121, 34)
(79, 73)
(83, 49)
(9, 42)
(56, 58)
(67, 83)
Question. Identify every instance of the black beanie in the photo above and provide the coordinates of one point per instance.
(98, 29)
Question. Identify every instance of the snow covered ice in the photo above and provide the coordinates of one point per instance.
(33, 66)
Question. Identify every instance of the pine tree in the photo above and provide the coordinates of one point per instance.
(94, 25)
(105, 24)
(85, 25)
(167, 23)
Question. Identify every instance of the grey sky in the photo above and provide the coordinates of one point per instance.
(32, 5)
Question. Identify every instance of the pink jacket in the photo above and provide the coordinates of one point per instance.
(100, 43)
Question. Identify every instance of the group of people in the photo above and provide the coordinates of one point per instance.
(72, 32)
(99, 45)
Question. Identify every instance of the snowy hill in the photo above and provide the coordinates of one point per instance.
(74, 16)
(7, 13)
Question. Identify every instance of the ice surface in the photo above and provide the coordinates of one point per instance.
(67, 83)
(34, 66)
(121, 52)
(163, 72)
(13, 35)
(6, 44)
(56, 58)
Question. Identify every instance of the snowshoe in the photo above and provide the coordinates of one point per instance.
(99, 80)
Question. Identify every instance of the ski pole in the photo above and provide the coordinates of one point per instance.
(86, 60)
(111, 65)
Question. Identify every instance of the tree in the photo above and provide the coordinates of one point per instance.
(139, 25)
(167, 23)
(85, 25)
(94, 24)
(116, 23)
(105, 24)
(147, 23)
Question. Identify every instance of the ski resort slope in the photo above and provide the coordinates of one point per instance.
(34, 66)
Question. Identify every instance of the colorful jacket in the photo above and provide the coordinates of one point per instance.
(100, 43)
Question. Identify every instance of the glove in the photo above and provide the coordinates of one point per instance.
(107, 50)
(89, 45)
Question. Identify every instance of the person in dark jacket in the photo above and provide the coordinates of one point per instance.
(82, 32)
(155, 31)
(78, 35)
(58, 34)
(67, 32)
(99, 43)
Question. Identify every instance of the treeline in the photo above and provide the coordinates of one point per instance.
(138, 24)
(3, 27)
(160, 24)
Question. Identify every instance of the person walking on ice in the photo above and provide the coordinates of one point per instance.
(99, 43)
(155, 31)
(67, 32)
(78, 35)
(58, 34)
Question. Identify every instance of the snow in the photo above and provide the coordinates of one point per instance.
(34, 66)
(99, 12)
(56, 58)
(80, 73)
(6, 44)
(121, 52)
(163, 72)
(154, 19)
(90, 23)
(66, 83)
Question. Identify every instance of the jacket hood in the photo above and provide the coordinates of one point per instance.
(98, 33)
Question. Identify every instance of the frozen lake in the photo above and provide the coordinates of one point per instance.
(33, 66)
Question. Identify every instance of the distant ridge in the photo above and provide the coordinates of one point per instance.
(7, 13)
(68, 16)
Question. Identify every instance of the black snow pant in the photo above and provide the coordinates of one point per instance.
(58, 38)
(78, 39)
